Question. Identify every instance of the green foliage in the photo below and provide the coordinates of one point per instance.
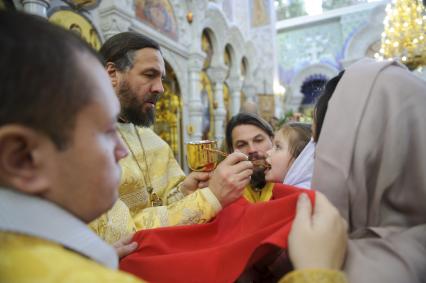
(291, 116)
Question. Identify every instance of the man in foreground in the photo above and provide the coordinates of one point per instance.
(59, 152)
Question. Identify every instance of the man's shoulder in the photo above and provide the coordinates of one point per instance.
(149, 132)
(40, 260)
(149, 136)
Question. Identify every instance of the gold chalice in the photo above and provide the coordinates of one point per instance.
(202, 155)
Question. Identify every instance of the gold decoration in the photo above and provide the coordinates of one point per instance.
(227, 59)
(207, 96)
(206, 46)
(202, 156)
(167, 117)
(266, 106)
(207, 100)
(190, 130)
(155, 199)
(78, 24)
(189, 17)
(242, 98)
(404, 33)
(226, 97)
(227, 101)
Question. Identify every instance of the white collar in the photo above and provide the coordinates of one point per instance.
(40, 218)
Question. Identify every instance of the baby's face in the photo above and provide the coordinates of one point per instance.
(280, 159)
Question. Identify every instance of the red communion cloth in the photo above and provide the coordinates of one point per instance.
(219, 251)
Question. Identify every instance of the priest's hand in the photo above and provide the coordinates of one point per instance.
(230, 177)
(125, 246)
(194, 181)
(318, 239)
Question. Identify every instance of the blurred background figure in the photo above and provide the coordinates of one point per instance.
(251, 135)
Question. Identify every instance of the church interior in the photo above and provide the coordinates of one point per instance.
(213, 141)
(271, 57)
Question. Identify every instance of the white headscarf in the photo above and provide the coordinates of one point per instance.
(370, 161)
(300, 172)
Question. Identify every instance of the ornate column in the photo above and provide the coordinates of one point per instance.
(197, 8)
(250, 91)
(115, 16)
(235, 84)
(218, 74)
(36, 7)
(194, 102)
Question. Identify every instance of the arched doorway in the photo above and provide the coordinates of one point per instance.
(207, 96)
(311, 88)
(243, 68)
(168, 116)
(77, 23)
(226, 96)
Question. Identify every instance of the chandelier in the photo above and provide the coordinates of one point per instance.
(404, 33)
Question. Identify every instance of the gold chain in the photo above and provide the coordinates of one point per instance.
(155, 199)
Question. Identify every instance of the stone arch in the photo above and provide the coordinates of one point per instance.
(217, 23)
(366, 35)
(236, 40)
(213, 39)
(296, 96)
(168, 121)
(179, 66)
(250, 53)
(244, 66)
(232, 55)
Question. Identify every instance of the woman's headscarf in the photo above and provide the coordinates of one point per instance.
(370, 162)
(300, 172)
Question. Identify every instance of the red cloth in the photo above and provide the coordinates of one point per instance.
(218, 251)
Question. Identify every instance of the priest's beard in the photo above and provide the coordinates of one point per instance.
(132, 108)
(258, 178)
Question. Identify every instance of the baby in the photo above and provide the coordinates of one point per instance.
(289, 141)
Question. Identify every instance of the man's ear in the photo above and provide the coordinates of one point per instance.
(113, 74)
(22, 159)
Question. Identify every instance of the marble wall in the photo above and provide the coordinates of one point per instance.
(324, 45)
